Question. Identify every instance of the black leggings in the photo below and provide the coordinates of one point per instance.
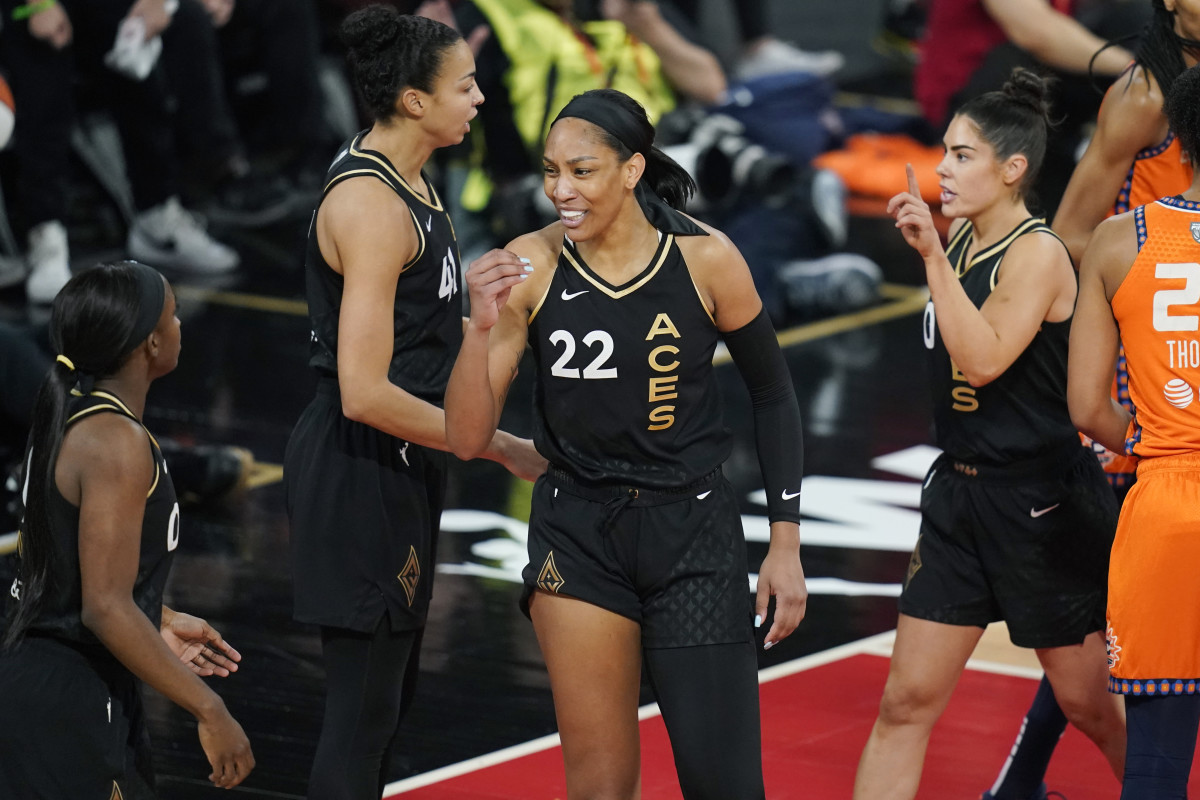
(709, 700)
(370, 680)
(1162, 740)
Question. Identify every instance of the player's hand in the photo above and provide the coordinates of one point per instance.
(226, 747)
(914, 219)
(53, 26)
(198, 644)
(490, 279)
(518, 456)
(219, 11)
(782, 577)
(154, 14)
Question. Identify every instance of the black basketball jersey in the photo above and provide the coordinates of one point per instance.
(626, 392)
(60, 614)
(427, 316)
(1023, 412)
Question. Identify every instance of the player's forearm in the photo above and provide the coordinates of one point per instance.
(128, 634)
(970, 340)
(386, 407)
(472, 415)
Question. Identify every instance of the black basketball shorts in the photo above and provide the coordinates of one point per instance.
(1027, 544)
(66, 729)
(674, 562)
(364, 509)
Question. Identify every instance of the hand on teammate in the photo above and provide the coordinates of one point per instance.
(782, 577)
(198, 644)
(490, 279)
(226, 747)
(53, 26)
(518, 456)
(914, 218)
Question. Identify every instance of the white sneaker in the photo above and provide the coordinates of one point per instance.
(169, 236)
(49, 265)
(773, 56)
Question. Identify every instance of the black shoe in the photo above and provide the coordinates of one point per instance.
(253, 201)
(206, 473)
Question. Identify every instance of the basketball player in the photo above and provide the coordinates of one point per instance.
(365, 468)
(1135, 158)
(1016, 516)
(636, 548)
(100, 526)
(1139, 285)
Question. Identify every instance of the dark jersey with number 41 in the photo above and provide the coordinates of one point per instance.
(427, 317)
(626, 392)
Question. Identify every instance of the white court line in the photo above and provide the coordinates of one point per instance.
(878, 645)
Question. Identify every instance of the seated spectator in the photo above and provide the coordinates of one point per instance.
(971, 46)
(761, 52)
(41, 53)
(246, 168)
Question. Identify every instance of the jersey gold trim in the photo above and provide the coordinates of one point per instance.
(116, 793)
(700, 297)
(987, 253)
(436, 204)
(355, 173)
(617, 294)
(410, 576)
(545, 294)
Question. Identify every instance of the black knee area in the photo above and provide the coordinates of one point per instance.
(1161, 742)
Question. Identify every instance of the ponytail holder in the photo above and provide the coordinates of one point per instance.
(60, 358)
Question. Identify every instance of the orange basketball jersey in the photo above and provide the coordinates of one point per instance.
(1155, 172)
(1157, 308)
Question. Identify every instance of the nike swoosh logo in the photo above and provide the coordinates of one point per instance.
(702, 496)
(929, 480)
(429, 223)
(572, 295)
(791, 496)
(1035, 513)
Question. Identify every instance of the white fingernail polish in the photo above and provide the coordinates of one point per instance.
(757, 620)
(528, 268)
(524, 260)
(768, 645)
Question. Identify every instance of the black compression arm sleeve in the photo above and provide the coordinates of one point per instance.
(777, 432)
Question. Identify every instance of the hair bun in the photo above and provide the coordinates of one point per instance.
(1029, 89)
(371, 29)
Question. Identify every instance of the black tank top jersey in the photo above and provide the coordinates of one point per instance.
(60, 615)
(626, 392)
(427, 316)
(1023, 412)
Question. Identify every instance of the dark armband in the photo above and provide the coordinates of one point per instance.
(777, 432)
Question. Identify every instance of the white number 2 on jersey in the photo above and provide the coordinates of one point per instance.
(593, 371)
(1165, 298)
(449, 283)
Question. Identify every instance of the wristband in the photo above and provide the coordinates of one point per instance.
(29, 9)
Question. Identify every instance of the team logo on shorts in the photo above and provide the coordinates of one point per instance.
(1196, 231)
(116, 793)
(549, 579)
(1114, 649)
(914, 563)
(410, 576)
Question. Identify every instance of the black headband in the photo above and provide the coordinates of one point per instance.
(152, 294)
(616, 120)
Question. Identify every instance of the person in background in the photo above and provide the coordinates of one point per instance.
(1136, 290)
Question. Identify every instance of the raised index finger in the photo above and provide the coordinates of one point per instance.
(914, 188)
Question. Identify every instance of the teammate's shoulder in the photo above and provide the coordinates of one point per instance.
(1136, 88)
